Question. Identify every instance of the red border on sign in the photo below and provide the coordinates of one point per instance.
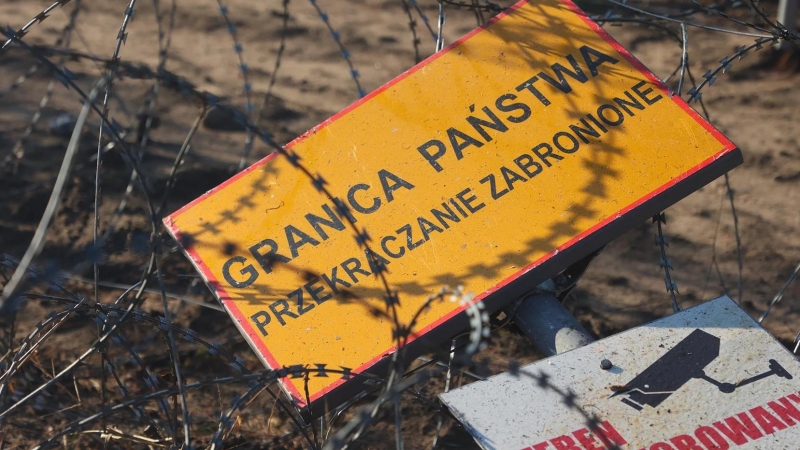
(255, 339)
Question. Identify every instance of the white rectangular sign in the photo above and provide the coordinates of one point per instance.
(708, 378)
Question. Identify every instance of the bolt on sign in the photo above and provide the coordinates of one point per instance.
(707, 378)
(492, 165)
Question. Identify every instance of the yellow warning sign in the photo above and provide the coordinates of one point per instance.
(512, 148)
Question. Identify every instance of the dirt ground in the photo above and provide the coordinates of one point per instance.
(754, 104)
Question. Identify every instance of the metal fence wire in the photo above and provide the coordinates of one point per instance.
(109, 339)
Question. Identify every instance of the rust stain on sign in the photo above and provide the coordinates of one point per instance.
(524, 145)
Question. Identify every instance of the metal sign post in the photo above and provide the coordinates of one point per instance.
(549, 325)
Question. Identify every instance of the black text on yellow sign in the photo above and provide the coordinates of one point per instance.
(518, 149)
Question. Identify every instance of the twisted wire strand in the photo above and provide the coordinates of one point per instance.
(64, 39)
(247, 87)
(342, 49)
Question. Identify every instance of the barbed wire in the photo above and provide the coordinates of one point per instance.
(146, 117)
(729, 191)
(412, 26)
(665, 262)
(273, 77)
(779, 296)
(345, 53)
(164, 407)
(15, 36)
(247, 87)
(65, 38)
(109, 79)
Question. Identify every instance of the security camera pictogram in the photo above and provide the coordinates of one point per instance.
(687, 360)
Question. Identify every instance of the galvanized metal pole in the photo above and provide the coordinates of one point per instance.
(549, 325)
(787, 15)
